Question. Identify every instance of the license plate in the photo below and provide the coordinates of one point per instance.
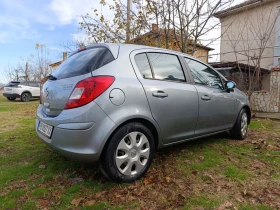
(45, 129)
(8, 89)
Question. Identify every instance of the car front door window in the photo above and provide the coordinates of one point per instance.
(204, 75)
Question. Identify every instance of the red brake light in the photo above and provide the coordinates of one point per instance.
(87, 90)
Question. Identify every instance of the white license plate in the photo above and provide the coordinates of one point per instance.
(45, 129)
(8, 89)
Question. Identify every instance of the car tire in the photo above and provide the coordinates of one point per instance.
(25, 97)
(11, 98)
(240, 128)
(128, 154)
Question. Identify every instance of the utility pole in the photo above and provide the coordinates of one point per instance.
(17, 77)
(128, 21)
(26, 71)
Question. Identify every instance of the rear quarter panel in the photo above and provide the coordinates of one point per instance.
(135, 104)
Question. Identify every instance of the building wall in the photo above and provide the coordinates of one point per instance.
(244, 30)
(266, 82)
(268, 101)
(201, 54)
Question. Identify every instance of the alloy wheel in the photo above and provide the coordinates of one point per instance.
(244, 124)
(26, 97)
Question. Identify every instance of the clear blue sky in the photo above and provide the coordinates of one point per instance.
(23, 23)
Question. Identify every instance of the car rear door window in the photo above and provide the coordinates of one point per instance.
(24, 83)
(33, 84)
(166, 67)
(143, 65)
(204, 75)
(84, 62)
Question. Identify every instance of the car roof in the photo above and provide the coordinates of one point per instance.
(114, 48)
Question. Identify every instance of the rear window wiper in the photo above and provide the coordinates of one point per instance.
(51, 77)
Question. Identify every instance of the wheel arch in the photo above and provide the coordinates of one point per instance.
(26, 91)
(248, 110)
(143, 121)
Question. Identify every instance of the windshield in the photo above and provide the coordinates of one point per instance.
(83, 62)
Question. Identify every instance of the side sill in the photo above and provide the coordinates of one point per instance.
(193, 138)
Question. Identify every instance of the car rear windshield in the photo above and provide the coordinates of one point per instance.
(12, 84)
(84, 62)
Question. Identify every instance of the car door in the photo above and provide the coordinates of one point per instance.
(216, 104)
(32, 89)
(36, 89)
(173, 101)
(26, 86)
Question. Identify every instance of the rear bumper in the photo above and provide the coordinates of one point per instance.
(11, 95)
(79, 134)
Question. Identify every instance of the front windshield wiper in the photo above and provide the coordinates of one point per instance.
(51, 77)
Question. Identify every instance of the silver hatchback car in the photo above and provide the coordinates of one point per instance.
(117, 103)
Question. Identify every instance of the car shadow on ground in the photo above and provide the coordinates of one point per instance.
(19, 101)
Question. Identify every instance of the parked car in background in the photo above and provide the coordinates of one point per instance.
(23, 90)
(117, 103)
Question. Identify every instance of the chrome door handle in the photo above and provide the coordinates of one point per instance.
(205, 98)
(160, 94)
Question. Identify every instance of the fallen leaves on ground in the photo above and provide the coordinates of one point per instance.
(178, 176)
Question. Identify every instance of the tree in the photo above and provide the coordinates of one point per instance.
(41, 62)
(100, 29)
(180, 21)
(70, 46)
(33, 68)
(12, 73)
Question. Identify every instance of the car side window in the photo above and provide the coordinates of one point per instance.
(34, 84)
(143, 65)
(166, 67)
(204, 75)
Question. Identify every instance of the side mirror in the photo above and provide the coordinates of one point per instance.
(230, 85)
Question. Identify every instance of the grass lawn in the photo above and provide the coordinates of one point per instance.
(211, 173)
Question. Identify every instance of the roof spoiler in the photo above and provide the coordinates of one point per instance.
(113, 47)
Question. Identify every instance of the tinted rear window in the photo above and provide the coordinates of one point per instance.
(12, 84)
(34, 84)
(83, 62)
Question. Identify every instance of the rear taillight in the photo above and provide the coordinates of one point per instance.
(87, 90)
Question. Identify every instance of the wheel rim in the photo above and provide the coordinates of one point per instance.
(244, 124)
(25, 96)
(132, 153)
